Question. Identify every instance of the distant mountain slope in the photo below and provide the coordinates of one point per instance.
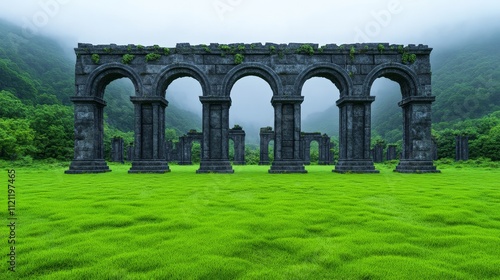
(466, 80)
(324, 122)
(36, 69)
(119, 111)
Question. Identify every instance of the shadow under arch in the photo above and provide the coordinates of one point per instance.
(399, 73)
(181, 70)
(252, 69)
(332, 72)
(105, 74)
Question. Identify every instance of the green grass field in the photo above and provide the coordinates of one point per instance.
(254, 225)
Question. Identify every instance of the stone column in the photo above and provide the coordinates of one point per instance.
(331, 155)
(130, 152)
(89, 136)
(392, 153)
(117, 150)
(378, 153)
(266, 135)
(305, 147)
(215, 149)
(462, 148)
(417, 139)
(355, 135)
(287, 135)
(434, 149)
(169, 148)
(149, 155)
(184, 147)
(324, 150)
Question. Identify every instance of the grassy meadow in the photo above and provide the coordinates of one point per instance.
(255, 225)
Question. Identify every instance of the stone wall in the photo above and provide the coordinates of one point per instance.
(285, 67)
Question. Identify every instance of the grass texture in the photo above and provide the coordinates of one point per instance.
(255, 225)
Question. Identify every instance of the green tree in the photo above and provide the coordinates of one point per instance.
(12, 107)
(53, 127)
(16, 138)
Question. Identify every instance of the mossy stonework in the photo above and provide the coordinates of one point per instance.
(352, 68)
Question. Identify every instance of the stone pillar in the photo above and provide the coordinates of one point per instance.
(417, 138)
(324, 150)
(287, 135)
(434, 149)
(355, 135)
(238, 136)
(462, 148)
(89, 136)
(169, 148)
(266, 135)
(215, 144)
(378, 153)
(117, 150)
(184, 148)
(305, 149)
(130, 152)
(392, 152)
(149, 154)
(331, 158)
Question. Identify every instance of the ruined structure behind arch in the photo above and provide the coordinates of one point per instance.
(286, 67)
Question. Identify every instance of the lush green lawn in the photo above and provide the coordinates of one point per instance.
(254, 225)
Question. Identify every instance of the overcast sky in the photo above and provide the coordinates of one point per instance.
(437, 23)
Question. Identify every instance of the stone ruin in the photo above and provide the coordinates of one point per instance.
(285, 67)
(462, 148)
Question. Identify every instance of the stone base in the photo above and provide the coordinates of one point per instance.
(264, 163)
(287, 166)
(215, 166)
(239, 163)
(416, 166)
(149, 166)
(355, 166)
(87, 166)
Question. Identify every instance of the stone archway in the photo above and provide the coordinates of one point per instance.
(352, 68)
(324, 156)
(89, 114)
(416, 105)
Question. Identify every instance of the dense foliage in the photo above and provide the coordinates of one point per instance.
(466, 83)
(36, 117)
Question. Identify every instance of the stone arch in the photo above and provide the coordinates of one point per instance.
(399, 73)
(252, 69)
(417, 139)
(332, 72)
(173, 72)
(105, 74)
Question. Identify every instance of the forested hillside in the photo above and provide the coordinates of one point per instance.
(466, 83)
(36, 70)
(36, 115)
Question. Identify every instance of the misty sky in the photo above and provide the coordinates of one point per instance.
(148, 22)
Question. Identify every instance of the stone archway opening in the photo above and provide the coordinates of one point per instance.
(319, 112)
(250, 110)
(416, 144)
(387, 120)
(183, 118)
(118, 120)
